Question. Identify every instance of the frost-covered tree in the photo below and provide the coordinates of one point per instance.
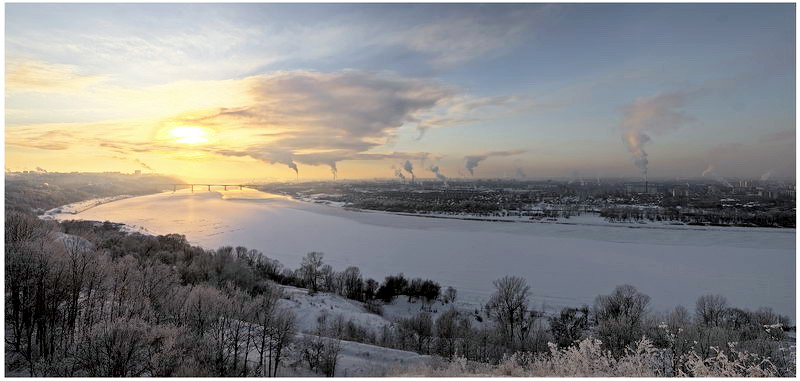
(619, 317)
(570, 324)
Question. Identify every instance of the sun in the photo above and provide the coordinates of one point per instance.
(190, 134)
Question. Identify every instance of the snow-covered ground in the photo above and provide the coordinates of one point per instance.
(355, 359)
(81, 206)
(564, 264)
(309, 308)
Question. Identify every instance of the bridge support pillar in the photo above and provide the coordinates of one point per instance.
(192, 188)
(226, 187)
(174, 188)
(209, 188)
(240, 187)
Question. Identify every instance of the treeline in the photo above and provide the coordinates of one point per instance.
(708, 216)
(38, 192)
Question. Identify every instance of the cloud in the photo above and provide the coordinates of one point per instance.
(465, 110)
(779, 136)
(317, 118)
(471, 161)
(36, 76)
(191, 42)
(52, 140)
(468, 33)
(292, 118)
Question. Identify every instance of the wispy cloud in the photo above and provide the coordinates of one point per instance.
(36, 76)
(787, 135)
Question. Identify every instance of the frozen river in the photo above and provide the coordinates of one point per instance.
(564, 264)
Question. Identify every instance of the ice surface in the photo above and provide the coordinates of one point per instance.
(564, 264)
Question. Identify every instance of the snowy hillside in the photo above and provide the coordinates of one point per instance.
(309, 309)
(355, 359)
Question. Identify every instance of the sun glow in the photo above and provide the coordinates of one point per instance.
(190, 134)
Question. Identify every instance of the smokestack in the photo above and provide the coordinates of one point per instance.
(645, 182)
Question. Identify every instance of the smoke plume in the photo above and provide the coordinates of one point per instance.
(766, 175)
(439, 175)
(399, 173)
(657, 115)
(471, 161)
(145, 166)
(409, 168)
(40, 169)
(710, 173)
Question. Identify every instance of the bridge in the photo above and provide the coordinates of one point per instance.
(224, 186)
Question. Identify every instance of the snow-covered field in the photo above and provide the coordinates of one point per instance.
(564, 264)
(355, 359)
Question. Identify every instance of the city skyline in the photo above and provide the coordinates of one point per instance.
(280, 91)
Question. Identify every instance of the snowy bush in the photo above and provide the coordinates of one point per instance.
(588, 358)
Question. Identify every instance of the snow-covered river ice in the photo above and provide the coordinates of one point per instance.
(564, 264)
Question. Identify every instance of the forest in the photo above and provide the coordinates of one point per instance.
(86, 299)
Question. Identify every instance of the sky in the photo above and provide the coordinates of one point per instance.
(258, 92)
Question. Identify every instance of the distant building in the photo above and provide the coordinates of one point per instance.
(137, 172)
(641, 189)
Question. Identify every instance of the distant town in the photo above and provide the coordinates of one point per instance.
(744, 203)
(691, 202)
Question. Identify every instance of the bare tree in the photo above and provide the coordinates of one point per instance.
(353, 283)
(508, 306)
(264, 318)
(310, 268)
(285, 327)
(450, 295)
(710, 309)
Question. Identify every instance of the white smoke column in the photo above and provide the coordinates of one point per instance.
(40, 169)
(521, 174)
(471, 161)
(409, 168)
(399, 173)
(766, 175)
(657, 114)
(710, 172)
(334, 171)
(292, 165)
(435, 170)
